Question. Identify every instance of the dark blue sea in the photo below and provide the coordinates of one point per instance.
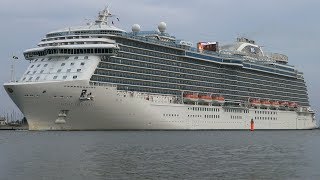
(160, 155)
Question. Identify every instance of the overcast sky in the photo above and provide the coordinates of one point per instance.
(290, 27)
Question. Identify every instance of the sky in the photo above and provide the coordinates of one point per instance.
(289, 27)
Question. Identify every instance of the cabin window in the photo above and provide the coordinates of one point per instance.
(63, 64)
(55, 77)
(75, 77)
(59, 70)
(64, 77)
(68, 70)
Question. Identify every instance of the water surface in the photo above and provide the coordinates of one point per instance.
(160, 155)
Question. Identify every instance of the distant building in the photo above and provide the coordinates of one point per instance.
(3, 121)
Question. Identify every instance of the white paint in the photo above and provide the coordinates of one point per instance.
(112, 109)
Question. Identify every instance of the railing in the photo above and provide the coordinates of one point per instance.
(221, 54)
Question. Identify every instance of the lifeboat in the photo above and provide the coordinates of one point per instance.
(275, 104)
(265, 103)
(190, 98)
(283, 104)
(292, 105)
(205, 98)
(218, 100)
(255, 103)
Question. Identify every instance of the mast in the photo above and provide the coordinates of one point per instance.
(103, 16)
(13, 78)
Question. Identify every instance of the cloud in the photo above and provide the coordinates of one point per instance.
(288, 26)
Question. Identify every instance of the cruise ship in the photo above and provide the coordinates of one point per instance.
(100, 77)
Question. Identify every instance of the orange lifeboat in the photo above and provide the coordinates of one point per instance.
(265, 103)
(205, 98)
(255, 103)
(275, 104)
(292, 105)
(218, 100)
(190, 98)
(283, 104)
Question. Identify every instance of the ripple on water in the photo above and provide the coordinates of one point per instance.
(160, 155)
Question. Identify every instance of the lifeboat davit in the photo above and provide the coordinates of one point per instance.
(218, 100)
(255, 103)
(265, 103)
(205, 98)
(275, 104)
(190, 98)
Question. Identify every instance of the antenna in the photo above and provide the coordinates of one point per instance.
(88, 21)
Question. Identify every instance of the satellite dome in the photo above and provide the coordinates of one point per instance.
(162, 27)
(135, 28)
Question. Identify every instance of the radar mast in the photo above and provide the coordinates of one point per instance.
(103, 16)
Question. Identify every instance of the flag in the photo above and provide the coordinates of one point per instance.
(15, 57)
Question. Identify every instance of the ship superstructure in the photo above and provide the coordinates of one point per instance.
(98, 76)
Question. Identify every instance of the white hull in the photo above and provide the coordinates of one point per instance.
(117, 110)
